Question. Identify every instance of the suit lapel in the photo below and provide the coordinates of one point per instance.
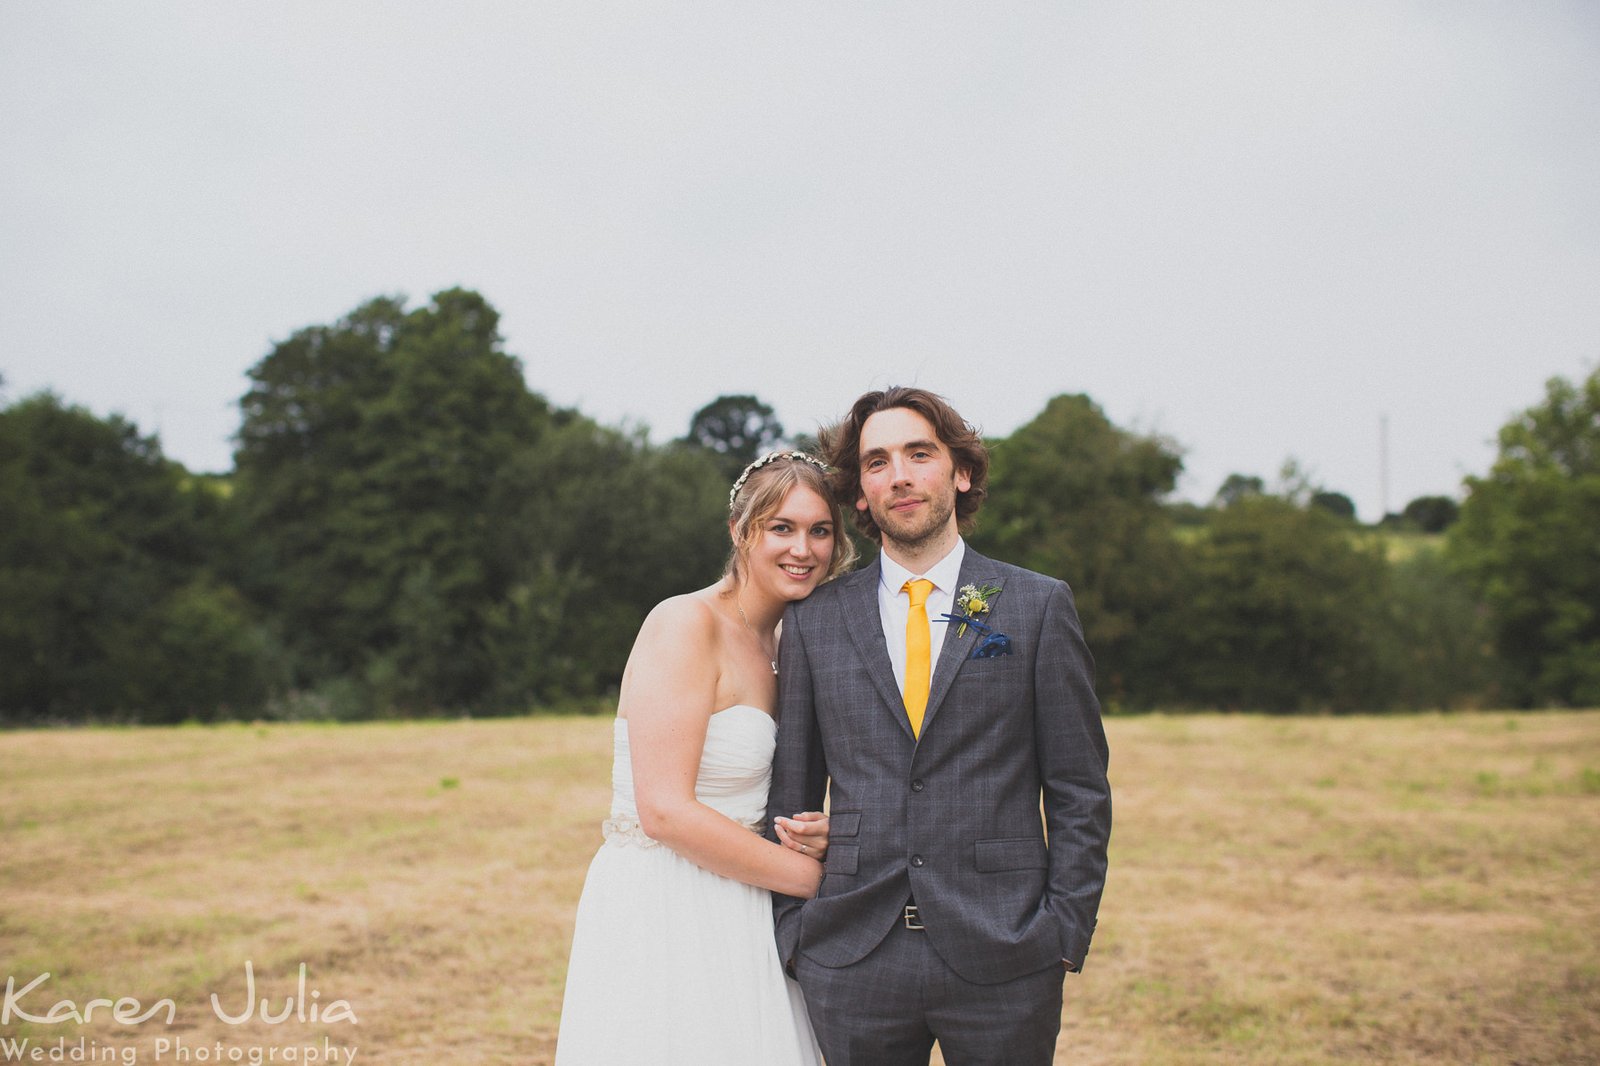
(865, 626)
(975, 570)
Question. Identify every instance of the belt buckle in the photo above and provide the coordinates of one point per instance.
(912, 919)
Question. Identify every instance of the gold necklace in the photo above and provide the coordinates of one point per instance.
(753, 636)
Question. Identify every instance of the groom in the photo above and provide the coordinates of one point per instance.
(949, 909)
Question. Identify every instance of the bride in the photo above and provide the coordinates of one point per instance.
(673, 959)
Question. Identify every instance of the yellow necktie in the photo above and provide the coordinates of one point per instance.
(919, 643)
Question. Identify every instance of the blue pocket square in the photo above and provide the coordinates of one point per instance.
(992, 645)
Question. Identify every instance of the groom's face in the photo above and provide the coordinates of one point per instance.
(909, 481)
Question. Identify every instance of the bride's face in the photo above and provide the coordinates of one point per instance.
(789, 555)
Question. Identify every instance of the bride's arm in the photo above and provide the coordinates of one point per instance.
(667, 695)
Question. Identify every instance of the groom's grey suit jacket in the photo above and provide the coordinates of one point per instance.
(953, 819)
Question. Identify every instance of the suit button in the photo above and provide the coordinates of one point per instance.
(917, 785)
(918, 860)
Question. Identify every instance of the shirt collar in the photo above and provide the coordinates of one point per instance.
(944, 574)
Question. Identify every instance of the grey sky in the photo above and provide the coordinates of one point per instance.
(1253, 227)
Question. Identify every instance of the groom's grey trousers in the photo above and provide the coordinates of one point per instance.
(888, 1009)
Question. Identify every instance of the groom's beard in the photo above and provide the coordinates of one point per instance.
(911, 533)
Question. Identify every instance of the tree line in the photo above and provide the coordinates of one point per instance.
(408, 529)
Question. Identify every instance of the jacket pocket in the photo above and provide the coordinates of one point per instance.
(998, 856)
(844, 824)
(842, 859)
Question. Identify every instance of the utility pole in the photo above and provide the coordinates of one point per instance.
(1383, 466)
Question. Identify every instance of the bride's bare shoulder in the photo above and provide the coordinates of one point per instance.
(676, 649)
(692, 617)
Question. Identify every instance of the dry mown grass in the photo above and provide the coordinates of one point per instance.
(1403, 890)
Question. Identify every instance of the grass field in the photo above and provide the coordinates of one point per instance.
(1416, 889)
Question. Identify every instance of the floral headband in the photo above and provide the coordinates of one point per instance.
(772, 457)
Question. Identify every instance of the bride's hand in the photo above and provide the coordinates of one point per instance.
(806, 833)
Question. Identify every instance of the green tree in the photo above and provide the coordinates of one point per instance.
(371, 474)
(1280, 611)
(1236, 487)
(1073, 496)
(616, 527)
(1432, 514)
(1335, 503)
(737, 429)
(109, 606)
(431, 535)
(1527, 539)
(1435, 644)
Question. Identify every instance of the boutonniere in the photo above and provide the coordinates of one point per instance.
(973, 602)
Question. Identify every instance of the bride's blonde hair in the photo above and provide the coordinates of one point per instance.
(759, 493)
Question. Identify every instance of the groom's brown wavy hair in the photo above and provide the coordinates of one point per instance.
(840, 445)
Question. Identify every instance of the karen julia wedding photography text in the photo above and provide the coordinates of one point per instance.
(25, 1003)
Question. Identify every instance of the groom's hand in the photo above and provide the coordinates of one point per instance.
(806, 832)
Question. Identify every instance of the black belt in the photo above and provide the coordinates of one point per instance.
(912, 918)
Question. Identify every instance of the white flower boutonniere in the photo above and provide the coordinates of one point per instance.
(973, 602)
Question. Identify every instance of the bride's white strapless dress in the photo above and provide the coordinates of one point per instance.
(672, 964)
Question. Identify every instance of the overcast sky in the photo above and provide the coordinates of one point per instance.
(1255, 227)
